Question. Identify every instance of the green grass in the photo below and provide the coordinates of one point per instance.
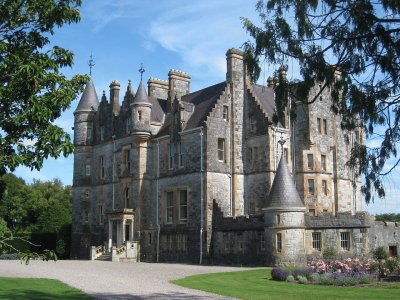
(257, 284)
(43, 289)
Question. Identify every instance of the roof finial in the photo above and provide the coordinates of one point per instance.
(91, 64)
(281, 142)
(141, 70)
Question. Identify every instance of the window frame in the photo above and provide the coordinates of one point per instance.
(279, 242)
(310, 161)
(183, 207)
(319, 125)
(345, 240)
(169, 207)
(323, 162)
(127, 198)
(102, 167)
(316, 241)
(171, 157)
(324, 187)
(311, 187)
(221, 146)
(181, 154)
(225, 113)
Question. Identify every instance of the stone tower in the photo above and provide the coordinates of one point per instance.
(83, 141)
(284, 221)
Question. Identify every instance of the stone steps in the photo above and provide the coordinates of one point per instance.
(104, 257)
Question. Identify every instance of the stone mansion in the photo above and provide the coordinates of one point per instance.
(171, 175)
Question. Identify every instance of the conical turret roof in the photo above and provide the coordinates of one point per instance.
(89, 100)
(283, 194)
(141, 97)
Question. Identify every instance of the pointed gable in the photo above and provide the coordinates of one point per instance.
(283, 194)
(89, 100)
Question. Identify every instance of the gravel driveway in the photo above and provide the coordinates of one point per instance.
(113, 280)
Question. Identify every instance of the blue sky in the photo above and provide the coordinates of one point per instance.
(192, 36)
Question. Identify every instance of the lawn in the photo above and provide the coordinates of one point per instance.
(43, 289)
(257, 284)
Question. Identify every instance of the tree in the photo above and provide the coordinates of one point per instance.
(351, 47)
(33, 91)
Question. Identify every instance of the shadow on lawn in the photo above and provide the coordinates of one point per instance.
(37, 295)
(178, 296)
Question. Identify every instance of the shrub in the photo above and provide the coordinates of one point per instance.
(302, 279)
(290, 278)
(315, 277)
(391, 264)
(302, 272)
(279, 274)
(380, 253)
(373, 267)
(326, 279)
(365, 279)
(329, 253)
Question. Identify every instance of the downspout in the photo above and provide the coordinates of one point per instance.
(113, 175)
(157, 199)
(231, 139)
(201, 196)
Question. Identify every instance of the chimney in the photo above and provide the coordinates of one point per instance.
(235, 66)
(158, 88)
(114, 97)
(179, 84)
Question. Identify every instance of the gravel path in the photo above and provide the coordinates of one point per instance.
(112, 280)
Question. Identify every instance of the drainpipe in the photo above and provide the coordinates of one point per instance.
(113, 175)
(157, 199)
(201, 196)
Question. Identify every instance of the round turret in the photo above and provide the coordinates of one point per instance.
(141, 112)
(284, 221)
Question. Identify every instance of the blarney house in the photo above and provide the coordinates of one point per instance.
(172, 175)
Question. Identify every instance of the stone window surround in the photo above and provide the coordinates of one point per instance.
(345, 240)
(323, 162)
(316, 241)
(183, 206)
(310, 161)
(221, 149)
(171, 155)
(126, 158)
(279, 242)
(311, 186)
(181, 148)
(169, 207)
(88, 167)
(262, 241)
(225, 113)
(324, 187)
(102, 172)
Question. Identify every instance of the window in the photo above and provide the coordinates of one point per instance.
(262, 240)
(102, 169)
(325, 129)
(324, 187)
(101, 219)
(139, 116)
(345, 240)
(358, 137)
(319, 125)
(170, 207)
(127, 203)
(278, 242)
(89, 134)
(181, 155)
(310, 161)
(312, 211)
(278, 219)
(311, 188)
(126, 163)
(86, 216)
(226, 241)
(184, 242)
(225, 113)
(252, 125)
(221, 149)
(316, 241)
(323, 162)
(255, 154)
(101, 133)
(250, 154)
(240, 241)
(183, 206)
(149, 239)
(127, 125)
(87, 168)
(252, 208)
(171, 155)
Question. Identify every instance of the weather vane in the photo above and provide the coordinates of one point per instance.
(91, 64)
(141, 70)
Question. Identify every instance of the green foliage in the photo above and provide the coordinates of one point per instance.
(33, 91)
(350, 48)
(290, 278)
(302, 279)
(329, 253)
(380, 253)
(392, 264)
(36, 216)
(388, 217)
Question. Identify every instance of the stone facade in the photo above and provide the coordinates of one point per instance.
(190, 176)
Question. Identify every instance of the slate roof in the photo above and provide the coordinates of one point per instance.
(266, 96)
(283, 193)
(141, 95)
(203, 102)
(89, 100)
(158, 109)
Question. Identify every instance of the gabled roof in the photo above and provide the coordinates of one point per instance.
(283, 194)
(203, 102)
(89, 100)
(266, 97)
